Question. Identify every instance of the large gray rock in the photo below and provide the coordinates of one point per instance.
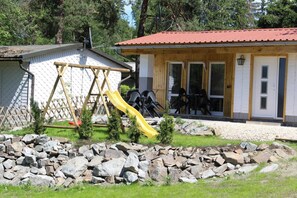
(97, 148)
(247, 168)
(1, 169)
(17, 146)
(269, 168)
(130, 177)
(110, 168)
(157, 173)
(196, 170)
(168, 160)
(83, 149)
(8, 164)
(97, 180)
(111, 154)
(31, 160)
(29, 138)
(221, 169)
(123, 146)
(2, 148)
(131, 163)
(50, 146)
(28, 151)
(174, 174)
(74, 167)
(89, 155)
(41, 180)
(207, 174)
(248, 146)
(233, 158)
(42, 139)
(95, 161)
(261, 157)
(144, 165)
(8, 175)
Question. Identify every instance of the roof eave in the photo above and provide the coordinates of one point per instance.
(206, 45)
(111, 58)
(48, 51)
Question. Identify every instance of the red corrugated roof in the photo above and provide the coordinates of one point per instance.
(220, 36)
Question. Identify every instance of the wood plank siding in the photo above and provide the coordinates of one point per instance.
(161, 70)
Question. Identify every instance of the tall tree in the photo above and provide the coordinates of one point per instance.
(279, 13)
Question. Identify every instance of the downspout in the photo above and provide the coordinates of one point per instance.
(32, 78)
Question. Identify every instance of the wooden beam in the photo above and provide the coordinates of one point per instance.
(281, 49)
(91, 66)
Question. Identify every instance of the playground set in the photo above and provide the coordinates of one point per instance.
(113, 96)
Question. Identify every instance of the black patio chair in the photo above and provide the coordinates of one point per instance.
(151, 104)
(133, 98)
(181, 101)
(204, 104)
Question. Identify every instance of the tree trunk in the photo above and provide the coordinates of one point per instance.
(60, 15)
(140, 33)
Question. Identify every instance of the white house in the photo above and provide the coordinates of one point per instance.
(28, 72)
(18, 65)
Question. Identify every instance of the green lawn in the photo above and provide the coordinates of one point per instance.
(100, 135)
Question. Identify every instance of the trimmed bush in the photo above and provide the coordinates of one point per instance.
(133, 131)
(114, 125)
(166, 128)
(38, 122)
(85, 131)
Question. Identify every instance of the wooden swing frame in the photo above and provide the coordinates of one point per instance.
(61, 68)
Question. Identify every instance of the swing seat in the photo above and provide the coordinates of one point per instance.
(73, 123)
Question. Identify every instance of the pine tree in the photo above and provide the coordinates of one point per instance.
(38, 122)
(114, 125)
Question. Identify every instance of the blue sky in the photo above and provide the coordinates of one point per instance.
(128, 11)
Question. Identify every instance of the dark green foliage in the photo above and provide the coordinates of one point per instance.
(114, 125)
(279, 13)
(85, 131)
(38, 122)
(166, 128)
(133, 131)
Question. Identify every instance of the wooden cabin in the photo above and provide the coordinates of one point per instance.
(247, 74)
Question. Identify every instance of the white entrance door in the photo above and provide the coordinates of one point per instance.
(174, 82)
(265, 87)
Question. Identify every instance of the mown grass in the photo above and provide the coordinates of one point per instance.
(101, 134)
(254, 185)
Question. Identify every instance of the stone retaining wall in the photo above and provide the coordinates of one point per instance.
(44, 161)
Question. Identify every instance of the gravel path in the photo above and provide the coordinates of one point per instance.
(251, 132)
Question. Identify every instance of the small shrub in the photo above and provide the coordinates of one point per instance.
(125, 89)
(38, 122)
(114, 125)
(166, 128)
(133, 131)
(85, 131)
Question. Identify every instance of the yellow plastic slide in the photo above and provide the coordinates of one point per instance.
(117, 100)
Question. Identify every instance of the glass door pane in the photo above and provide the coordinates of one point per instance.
(195, 78)
(216, 87)
(174, 80)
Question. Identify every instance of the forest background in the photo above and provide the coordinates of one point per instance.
(28, 22)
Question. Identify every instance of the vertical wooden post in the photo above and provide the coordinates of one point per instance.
(106, 79)
(100, 90)
(67, 95)
(52, 92)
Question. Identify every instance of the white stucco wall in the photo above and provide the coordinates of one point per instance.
(13, 85)
(242, 85)
(291, 103)
(146, 72)
(77, 80)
